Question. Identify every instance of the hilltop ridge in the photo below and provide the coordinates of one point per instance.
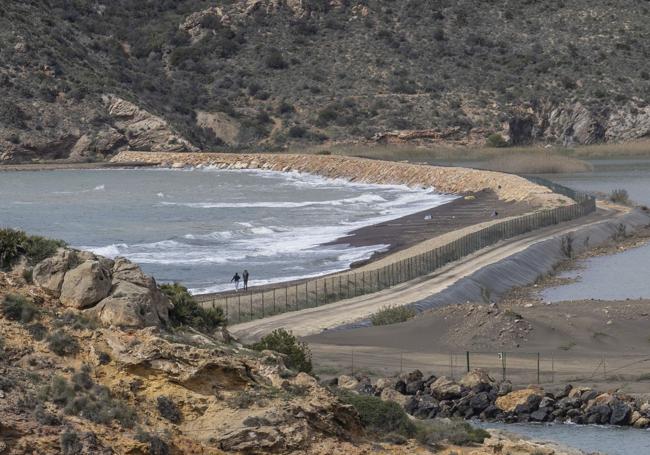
(86, 79)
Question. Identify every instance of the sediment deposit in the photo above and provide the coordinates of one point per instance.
(456, 180)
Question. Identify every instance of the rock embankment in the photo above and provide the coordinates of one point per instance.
(444, 179)
(477, 395)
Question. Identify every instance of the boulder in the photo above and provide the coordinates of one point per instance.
(599, 414)
(505, 387)
(50, 272)
(413, 376)
(446, 389)
(85, 285)
(423, 406)
(477, 378)
(384, 383)
(541, 415)
(519, 397)
(479, 402)
(348, 382)
(395, 396)
(125, 270)
(642, 422)
(621, 412)
(414, 387)
(130, 305)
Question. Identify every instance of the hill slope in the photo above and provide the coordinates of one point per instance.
(94, 77)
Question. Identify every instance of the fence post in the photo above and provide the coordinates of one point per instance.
(286, 298)
(467, 358)
(262, 303)
(538, 368)
(251, 296)
(239, 306)
(274, 300)
(306, 294)
(352, 361)
(316, 291)
(552, 369)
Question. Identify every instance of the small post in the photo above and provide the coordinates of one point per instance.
(306, 295)
(401, 362)
(274, 300)
(316, 291)
(604, 368)
(295, 297)
(467, 359)
(251, 294)
(352, 361)
(451, 365)
(239, 306)
(262, 303)
(538, 368)
(286, 298)
(552, 369)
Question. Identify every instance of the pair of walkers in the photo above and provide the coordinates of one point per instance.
(236, 279)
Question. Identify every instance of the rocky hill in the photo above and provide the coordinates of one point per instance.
(96, 358)
(87, 78)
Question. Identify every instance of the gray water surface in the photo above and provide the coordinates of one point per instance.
(589, 438)
(619, 276)
(200, 226)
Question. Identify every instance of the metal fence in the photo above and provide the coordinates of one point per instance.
(246, 306)
(519, 367)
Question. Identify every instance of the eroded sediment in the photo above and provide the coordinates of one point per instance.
(456, 180)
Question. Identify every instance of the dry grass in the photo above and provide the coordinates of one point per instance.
(542, 163)
(447, 153)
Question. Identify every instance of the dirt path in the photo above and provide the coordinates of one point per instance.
(315, 320)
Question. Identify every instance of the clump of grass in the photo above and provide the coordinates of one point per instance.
(496, 140)
(168, 409)
(70, 443)
(620, 196)
(75, 321)
(378, 416)
(62, 344)
(157, 446)
(187, 311)
(297, 352)
(392, 314)
(457, 432)
(85, 399)
(512, 314)
(16, 307)
(538, 164)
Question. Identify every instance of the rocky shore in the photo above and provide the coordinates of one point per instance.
(444, 179)
(478, 396)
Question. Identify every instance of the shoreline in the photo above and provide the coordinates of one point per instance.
(68, 166)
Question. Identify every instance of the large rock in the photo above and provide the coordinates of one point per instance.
(477, 378)
(85, 285)
(446, 389)
(395, 396)
(125, 270)
(348, 382)
(510, 401)
(130, 305)
(50, 272)
(621, 413)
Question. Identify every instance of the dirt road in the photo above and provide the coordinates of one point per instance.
(316, 320)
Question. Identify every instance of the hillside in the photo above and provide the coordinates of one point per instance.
(88, 78)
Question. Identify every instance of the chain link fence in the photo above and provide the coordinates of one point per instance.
(247, 306)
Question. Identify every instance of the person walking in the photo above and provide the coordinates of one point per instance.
(245, 277)
(236, 279)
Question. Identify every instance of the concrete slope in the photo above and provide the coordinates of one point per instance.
(425, 292)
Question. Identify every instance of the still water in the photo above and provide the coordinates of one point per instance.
(592, 438)
(200, 226)
(623, 275)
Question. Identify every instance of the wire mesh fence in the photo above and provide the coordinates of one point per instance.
(519, 367)
(247, 306)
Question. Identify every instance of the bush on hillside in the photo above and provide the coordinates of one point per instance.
(379, 416)
(187, 311)
(15, 243)
(15, 307)
(392, 315)
(496, 140)
(275, 60)
(168, 409)
(62, 344)
(297, 352)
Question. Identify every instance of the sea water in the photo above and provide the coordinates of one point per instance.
(200, 226)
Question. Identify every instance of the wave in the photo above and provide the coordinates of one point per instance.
(364, 198)
(97, 188)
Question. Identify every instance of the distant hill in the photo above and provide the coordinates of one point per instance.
(87, 78)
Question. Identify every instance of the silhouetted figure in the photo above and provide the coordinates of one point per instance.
(245, 277)
(236, 279)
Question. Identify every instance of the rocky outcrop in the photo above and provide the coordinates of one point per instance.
(476, 395)
(85, 285)
(116, 292)
(444, 179)
(144, 130)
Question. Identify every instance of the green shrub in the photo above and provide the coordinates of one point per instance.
(275, 60)
(458, 432)
(496, 140)
(168, 409)
(187, 311)
(89, 401)
(62, 344)
(157, 446)
(392, 315)
(15, 243)
(380, 416)
(15, 307)
(37, 331)
(620, 196)
(297, 352)
(70, 444)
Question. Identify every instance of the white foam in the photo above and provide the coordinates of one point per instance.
(364, 198)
